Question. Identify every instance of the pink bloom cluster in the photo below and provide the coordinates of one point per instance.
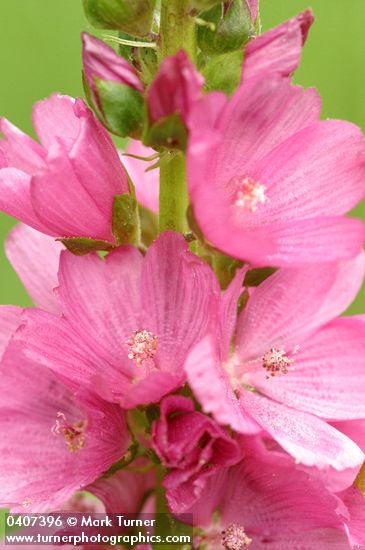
(252, 396)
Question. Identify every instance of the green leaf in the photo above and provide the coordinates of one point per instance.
(233, 28)
(125, 223)
(169, 132)
(131, 16)
(83, 245)
(223, 72)
(122, 106)
(255, 277)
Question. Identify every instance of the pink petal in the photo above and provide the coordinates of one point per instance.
(35, 258)
(104, 308)
(189, 440)
(125, 490)
(64, 205)
(268, 496)
(37, 469)
(301, 242)
(10, 317)
(328, 376)
(253, 6)
(319, 171)
(354, 429)
(102, 62)
(20, 150)
(354, 500)
(96, 162)
(49, 340)
(307, 438)
(180, 296)
(212, 387)
(15, 197)
(228, 315)
(279, 49)
(54, 118)
(175, 89)
(147, 184)
(291, 304)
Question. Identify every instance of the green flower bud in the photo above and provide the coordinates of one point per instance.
(131, 16)
(230, 27)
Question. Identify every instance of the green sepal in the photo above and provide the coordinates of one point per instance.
(233, 28)
(125, 225)
(83, 245)
(122, 108)
(131, 16)
(169, 132)
(126, 459)
(255, 277)
(223, 72)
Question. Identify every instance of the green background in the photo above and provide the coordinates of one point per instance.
(40, 53)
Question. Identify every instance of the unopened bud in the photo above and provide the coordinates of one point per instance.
(131, 16)
(229, 27)
(112, 86)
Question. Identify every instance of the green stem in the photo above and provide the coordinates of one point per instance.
(177, 28)
(173, 194)
(177, 31)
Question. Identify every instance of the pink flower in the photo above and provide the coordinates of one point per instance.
(294, 365)
(279, 49)
(128, 322)
(262, 502)
(175, 89)
(147, 184)
(101, 62)
(269, 183)
(64, 187)
(63, 441)
(190, 443)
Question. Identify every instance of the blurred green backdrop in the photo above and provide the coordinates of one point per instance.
(40, 53)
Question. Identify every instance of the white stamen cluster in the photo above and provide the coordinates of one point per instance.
(142, 346)
(275, 361)
(235, 538)
(249, 194)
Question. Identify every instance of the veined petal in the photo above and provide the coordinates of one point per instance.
(279, 49)
(308, 439)
(212, 387)
(21, 151)
(43, 462)
(10, 318)
(291, 304)
(54, 119)
(328, 375)
(180, 298)
(35, 258)
(15, 198)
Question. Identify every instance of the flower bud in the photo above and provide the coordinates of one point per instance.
(112, 86)
(231, 26)
(131, 16)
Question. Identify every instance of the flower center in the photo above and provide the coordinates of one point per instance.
(235, 538)
(73, 433)
(249, 194)
(276, 361)
(142, 346)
